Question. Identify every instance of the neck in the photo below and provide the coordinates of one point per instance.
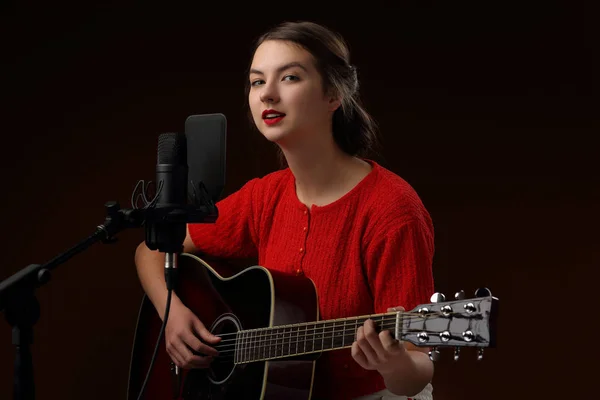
(308, 338)
(324, 173)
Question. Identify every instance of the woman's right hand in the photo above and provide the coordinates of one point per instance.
(184, 337)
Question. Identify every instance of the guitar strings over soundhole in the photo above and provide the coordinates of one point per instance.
(227, 325)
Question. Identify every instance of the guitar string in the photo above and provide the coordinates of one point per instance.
(260, 345)
(288, 338)
(264, 353)
(229, 354)
(305, 333)
(260, 341)
(337, 323)
(290, 342)
(336, 328)
(326, 327)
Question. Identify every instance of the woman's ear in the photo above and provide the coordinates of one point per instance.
(334, 103)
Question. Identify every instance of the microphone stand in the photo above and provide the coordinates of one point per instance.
(22, 309)
(17, 293)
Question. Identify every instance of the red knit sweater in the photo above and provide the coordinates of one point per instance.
(370, 250)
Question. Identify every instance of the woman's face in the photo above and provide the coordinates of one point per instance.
(286, 97)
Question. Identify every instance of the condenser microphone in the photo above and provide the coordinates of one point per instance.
(167, 215)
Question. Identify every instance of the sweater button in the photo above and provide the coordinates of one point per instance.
(299, 272)
(304, 229)
(301, 249)
(346, 366)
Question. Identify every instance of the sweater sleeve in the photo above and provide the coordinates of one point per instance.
(233, 235)
(399, 266)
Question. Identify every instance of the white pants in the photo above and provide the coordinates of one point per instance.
(426, 394)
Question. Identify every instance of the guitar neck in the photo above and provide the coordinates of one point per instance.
(459, 323)
(306, 338)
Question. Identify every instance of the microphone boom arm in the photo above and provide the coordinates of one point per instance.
(22, 309)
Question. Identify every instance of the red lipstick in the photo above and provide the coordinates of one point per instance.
(272, 117)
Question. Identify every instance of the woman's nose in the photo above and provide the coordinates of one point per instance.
(269, 94)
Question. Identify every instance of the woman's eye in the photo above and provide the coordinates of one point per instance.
(290, 78)
(257, 82)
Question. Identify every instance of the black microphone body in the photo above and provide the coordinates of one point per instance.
(164, 232)
(166, 218)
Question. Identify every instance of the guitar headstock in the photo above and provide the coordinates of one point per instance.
(458, 323)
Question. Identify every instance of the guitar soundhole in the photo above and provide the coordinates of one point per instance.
(226, 326)
(211, 383)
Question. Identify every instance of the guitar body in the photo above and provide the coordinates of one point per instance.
(253, 298)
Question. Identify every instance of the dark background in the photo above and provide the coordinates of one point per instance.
(488, 110)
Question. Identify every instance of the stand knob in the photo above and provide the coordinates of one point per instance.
(112, 206)
(44, 276)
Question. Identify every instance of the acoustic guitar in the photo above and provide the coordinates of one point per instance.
(271, 335)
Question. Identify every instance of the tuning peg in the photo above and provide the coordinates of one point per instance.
(434, 354)
(438, 297)
(456, 353)
(480, 355)
(460, 295)
(483, 292)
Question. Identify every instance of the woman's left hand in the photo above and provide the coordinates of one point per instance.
(378, 351)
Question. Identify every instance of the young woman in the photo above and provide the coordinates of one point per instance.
(357, 230)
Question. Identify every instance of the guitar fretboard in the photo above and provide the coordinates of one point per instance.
(306, 338)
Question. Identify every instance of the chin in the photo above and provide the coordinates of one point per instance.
(274, 137)
(275, 133)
